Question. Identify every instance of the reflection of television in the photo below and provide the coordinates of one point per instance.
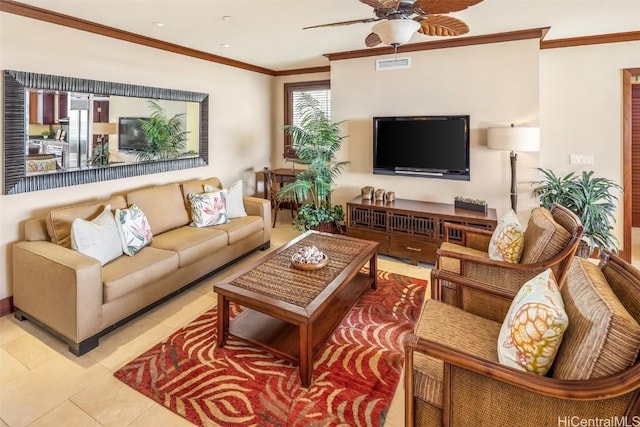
(130, 133)
(427, 146)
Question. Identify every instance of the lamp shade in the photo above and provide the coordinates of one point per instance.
(396, 31)
(105, 128)
(514, 138)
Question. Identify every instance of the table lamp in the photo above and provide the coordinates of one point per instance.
(514, 139)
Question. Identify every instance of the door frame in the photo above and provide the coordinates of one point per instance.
(627, 75)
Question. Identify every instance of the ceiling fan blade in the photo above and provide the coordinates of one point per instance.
(372, 40)
(335, 24)
(376, 4)
(441, 25)
(442, 6)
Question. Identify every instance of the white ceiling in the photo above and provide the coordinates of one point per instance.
(268, 33)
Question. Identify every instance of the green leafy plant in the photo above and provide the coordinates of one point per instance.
(470, 200)
(593, 199)
(316, 141)
(46, 133)
(166, 137)
(100, 154)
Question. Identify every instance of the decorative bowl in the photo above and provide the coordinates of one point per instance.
(301, 266)
(309, 258)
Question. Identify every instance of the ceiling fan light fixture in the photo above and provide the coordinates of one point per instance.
(395, 32)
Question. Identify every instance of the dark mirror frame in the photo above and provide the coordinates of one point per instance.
(15, 134)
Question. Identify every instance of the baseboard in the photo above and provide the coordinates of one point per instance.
(6, 306)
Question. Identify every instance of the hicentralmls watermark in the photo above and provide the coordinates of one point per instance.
(575, 421)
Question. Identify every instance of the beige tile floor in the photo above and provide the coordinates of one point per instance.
(42, 384)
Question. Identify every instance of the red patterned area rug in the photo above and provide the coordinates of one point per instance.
(354, 378)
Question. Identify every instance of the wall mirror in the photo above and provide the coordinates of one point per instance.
(62, 131)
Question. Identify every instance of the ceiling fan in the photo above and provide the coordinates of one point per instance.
(400, 19)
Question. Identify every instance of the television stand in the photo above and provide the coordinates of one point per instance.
(409, 228)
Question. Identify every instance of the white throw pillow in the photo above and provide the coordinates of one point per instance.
(97, 238)
(208, 208)
(533, 328)
(235, 201)
(507, 241)
(133, 228)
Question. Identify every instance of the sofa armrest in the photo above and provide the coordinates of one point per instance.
(58, 287)
(260, 207)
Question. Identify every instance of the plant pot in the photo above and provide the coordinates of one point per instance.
(329, 227)
(470, 206)
(583, 251)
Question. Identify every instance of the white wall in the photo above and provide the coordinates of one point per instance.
(240, 121)
(581, 108)
(496, 84)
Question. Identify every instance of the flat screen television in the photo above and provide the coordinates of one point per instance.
(425, 146)
(130, 133)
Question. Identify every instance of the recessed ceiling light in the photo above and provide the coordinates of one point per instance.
(225, 44)
(227, 18)
(158, 23)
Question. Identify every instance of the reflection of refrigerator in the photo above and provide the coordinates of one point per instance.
(77, 129)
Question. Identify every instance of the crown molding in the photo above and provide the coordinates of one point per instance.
(28, 11)
(323, 69)
(588, 40)
(535, 33)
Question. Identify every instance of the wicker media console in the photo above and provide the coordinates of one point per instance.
(410, 228)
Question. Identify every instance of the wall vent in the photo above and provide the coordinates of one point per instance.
(393, 63)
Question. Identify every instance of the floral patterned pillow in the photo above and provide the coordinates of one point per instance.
(133, 228)
(533, 328)
(208, 208)
(507, 240)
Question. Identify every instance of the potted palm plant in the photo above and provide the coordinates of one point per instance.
(166, 137)
(316, 140)
(593, 199)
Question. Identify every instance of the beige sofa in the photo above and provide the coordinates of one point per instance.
(74, 297)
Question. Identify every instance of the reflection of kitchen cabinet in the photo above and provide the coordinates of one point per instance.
(46, 108)
(100, 111)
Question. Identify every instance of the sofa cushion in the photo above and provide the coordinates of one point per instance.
(191, 243)
(466, 332)
(534, 326)
(163, 206)
(506, 241)
(603, 337)
(625, 283)
(544, 238)
(133, 229)
(126, 274)
(208, 208)
(59, 220)
(97, 238)
(240, 228)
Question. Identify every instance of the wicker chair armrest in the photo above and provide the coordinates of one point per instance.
(618, 384)
(473, 237)
(538, 266)
(437, 276)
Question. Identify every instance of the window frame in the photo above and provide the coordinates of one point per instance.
(289, 89)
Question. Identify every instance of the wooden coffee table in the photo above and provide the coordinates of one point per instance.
(290, 312)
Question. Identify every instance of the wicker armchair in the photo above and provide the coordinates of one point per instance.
(550, 241)
(453, 377)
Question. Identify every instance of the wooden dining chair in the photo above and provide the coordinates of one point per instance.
(271, 188)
